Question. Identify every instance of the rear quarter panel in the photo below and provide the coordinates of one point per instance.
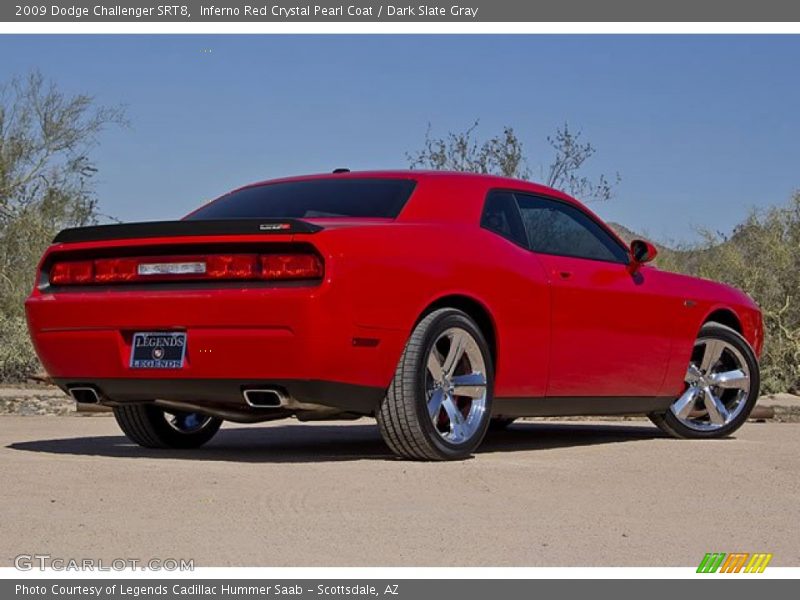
(389, 274)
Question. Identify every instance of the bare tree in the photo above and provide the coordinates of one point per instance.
(45, 140)
(500, 155)
(503, 154)
(571, 153)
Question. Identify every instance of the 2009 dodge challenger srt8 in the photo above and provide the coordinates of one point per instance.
(440, 303)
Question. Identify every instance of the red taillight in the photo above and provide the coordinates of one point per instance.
(232, 266)
(111, 270)
(291, 266)
(74, 272)
(243, 267)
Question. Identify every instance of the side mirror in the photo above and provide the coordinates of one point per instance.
(642, 252)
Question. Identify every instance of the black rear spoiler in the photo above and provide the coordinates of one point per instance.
(153, 229)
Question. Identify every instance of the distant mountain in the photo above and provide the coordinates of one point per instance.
(670, 256)
(685, 259)
(626, 234)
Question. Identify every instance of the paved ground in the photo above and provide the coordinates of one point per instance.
(330, 494)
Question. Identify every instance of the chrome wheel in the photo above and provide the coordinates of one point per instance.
(186, 422)
(439, 401)
(455, 386)
(717, 386)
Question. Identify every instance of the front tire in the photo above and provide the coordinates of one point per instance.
(440, 400)
(722, 384)
(153, 427)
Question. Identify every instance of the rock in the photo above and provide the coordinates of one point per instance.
(784, 400)
(762, 412)
(786, 407)
(40, 377)
(35, 400)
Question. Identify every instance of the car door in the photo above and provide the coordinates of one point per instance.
(610, 326)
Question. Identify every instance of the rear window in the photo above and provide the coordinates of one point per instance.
(320, 198)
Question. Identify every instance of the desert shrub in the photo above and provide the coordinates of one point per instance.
(761, 257)
(46, 184)
(17, 358)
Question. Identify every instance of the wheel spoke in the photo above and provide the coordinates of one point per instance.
(435, 404)
(711, 354)
(461, 431)
(736, 379)
(472, 385)
(717, 412)
(435, 365)
(458, 344)
(455, 416)
(684, 405)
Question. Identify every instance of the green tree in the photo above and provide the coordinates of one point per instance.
(46, 171)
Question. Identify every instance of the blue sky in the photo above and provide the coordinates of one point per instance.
(700, 128)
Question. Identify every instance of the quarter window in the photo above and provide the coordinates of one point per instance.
(500, 215)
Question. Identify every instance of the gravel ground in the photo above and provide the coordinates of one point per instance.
(540, 494)
(35, 400)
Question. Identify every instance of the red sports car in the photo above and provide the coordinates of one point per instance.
(442, 304)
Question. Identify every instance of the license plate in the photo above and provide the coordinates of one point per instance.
(153, 350)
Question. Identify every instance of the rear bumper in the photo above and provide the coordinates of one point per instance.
(224, 397)
(294, 337)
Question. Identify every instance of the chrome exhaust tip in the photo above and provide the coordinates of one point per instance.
(84, 394)
(267, 398)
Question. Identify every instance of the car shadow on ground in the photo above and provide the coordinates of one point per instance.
(298, 443)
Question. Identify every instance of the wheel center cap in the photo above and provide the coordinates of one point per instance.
(443, 384)
(704, 380)
(699, 378)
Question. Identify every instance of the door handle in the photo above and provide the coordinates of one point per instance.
(564, 274)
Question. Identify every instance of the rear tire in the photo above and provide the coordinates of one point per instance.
(440, 400)
(152, 427)
(705, 410)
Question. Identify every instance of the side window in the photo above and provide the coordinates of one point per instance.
(555, 227)
(500, 215)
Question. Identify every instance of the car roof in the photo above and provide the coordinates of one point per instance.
(468, 188)
(485, 179)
